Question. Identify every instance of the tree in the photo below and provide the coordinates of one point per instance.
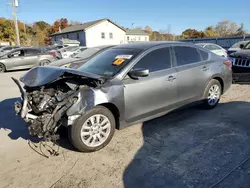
(240, 31)
(226, 28)
(42, 25)
(75, 23)
(210, 32)
(148, 29)
(192, 33)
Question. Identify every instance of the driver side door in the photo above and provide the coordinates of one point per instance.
(148, 96)
(15, 59)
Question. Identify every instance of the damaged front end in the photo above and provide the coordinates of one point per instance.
(48, 93)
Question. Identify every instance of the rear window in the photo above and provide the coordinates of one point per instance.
(109, 62)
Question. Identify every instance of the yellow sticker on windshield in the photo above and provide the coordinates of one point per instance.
(118, 61)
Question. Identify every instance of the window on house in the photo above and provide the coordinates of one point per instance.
(139, 38)
(55, 38)
(111, 35)
(127, 38)
(103, 35)
(146, 39)
(67, 36)
(77, 36)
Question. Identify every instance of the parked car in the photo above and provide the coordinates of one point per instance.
(73, 51)
(6, 49)
(121, 86)
(237, 46)
(214, 48)
(23, 58)
(60, 52)
(79, 59)
(241, 64)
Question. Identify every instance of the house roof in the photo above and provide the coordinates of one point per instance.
(83, 27)
(135, 32)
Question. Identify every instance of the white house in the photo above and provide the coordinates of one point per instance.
(95, 33)
(136, 35)
(99, 32)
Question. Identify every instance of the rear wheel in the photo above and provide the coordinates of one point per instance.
(44, 62)
(212, 94)
(2, 68)
(93, 130)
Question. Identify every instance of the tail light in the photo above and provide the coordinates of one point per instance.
(228, 63)
(53, 54)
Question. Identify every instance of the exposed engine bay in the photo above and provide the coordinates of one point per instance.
(44, 106)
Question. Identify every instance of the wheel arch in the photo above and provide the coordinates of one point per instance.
(114, 110)
(5, 67)
(216, 77)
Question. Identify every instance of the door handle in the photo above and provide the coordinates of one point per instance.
(171, 78)
(205, 68)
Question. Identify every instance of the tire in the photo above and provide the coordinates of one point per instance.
(90, 141)
(2, 68)
(44, 62)
(213, 88)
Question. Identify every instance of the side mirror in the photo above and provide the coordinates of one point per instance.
(241, 46)
(138, 73)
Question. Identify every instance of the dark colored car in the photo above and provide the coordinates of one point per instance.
(79, 59)
(121, 86)
(241, 64)
(23, 58)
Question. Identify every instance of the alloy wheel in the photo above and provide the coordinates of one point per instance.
(213, 95)
(95, 130)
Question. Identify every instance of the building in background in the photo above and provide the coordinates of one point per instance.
(94, 33)
(136, 35)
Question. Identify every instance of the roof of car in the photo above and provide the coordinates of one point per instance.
(205, 43)
(147, 45)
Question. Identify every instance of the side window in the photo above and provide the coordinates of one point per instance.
(30, 52)
(204, 55)
(156, 60)
(186, 55)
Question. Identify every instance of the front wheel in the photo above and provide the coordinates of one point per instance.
(44, 62)
(2, 68)
(93, 130)
(212, 94)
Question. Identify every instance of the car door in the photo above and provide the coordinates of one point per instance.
(15, 59)
(31, 57)
(153, 94)
(192, 72)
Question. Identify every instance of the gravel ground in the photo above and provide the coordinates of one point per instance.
(186, 148)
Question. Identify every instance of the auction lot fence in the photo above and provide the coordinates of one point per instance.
(225, 42)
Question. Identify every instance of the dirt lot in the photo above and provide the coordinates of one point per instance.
(188, 148)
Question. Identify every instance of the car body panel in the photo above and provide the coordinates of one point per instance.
(144, 98)
(24, 61)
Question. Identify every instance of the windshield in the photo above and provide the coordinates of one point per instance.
(87, 53)
(201, 45)
(247, 46)
(109, 62)
(237, 45)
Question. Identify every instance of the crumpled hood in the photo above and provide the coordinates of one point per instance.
(241, 54)
(43, 75)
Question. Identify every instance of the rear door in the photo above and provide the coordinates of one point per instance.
(192, 72)
(155, 93)
(31, 57)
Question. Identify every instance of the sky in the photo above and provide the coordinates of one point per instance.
(177, 15)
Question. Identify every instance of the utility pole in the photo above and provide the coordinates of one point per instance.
(14, 5)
